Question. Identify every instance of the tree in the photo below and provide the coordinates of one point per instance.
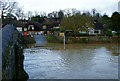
(88, 13)
(60, 14)
(38, 19)
(73, 11)
(77, 23)
(19, 13)
(8, 7)
(8, 11)
(105, 20)
(109, 32)
(50, 15)
(43, 14)
(36, 13)
(94, 11)
(78, 12)
(29, 15)
(10, 18)
(68, 12)
(115, 19)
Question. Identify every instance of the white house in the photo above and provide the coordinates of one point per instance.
(91, 31)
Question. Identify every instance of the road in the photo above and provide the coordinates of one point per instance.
(40, 40)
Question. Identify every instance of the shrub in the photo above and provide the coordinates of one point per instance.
(109, 32)
(83, 34)
(52, 39)
(28, 39)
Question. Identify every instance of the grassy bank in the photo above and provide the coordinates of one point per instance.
(28, 39)
(52, 39)
(92, 39)
(76, 40)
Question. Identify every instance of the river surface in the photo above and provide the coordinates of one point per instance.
(78, 61)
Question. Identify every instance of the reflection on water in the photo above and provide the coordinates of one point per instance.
(78, 61)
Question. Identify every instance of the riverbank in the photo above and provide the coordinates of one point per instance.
(28, 39)
(93, 39)
(83, 39)
(53, 39)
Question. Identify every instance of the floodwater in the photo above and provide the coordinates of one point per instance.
(78, 61)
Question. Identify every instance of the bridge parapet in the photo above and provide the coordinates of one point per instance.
(12, 55)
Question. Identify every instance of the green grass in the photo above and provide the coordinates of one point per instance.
(52, 39)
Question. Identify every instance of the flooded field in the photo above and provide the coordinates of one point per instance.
(78, 61)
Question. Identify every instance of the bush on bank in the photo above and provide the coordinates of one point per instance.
(28, 39)
(52, 39)
(89, 39)
(109, 32)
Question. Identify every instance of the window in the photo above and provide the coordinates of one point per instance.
(31, 27)
(25, 29)
(44, 27)
(91, 32)
(96, 31)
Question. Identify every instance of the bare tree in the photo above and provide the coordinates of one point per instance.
(61, 14)
(8, 7)
(50, 15)
(43, 14)
(19, 13)
(74, 11)
(94, 11)
(29, 15)
(36, 13)
(67, 12)
(55, 14)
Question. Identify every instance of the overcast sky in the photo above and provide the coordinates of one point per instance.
(103, 6)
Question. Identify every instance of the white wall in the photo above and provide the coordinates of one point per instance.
(19, 28)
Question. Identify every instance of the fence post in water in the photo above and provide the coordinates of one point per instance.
(64, 42)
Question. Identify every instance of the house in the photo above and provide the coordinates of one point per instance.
(56, 25)
(98, 28)
(86, 30)
(35, 28)
(18, 25)
(91, 31)
(32, 28)
(46, 28)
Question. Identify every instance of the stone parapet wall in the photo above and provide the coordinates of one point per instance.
(12, 55)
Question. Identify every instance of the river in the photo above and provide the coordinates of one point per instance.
(78, 61)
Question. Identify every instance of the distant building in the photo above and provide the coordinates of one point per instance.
(56, 25)
(32, 28)
(35, 28)
(98, 28)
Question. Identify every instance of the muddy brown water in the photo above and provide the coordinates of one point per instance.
(78, 61)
